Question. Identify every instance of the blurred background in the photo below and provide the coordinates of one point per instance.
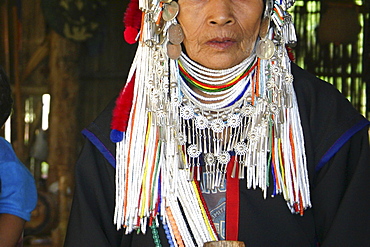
(66, 60)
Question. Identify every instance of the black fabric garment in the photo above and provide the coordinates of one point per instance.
(338, 157)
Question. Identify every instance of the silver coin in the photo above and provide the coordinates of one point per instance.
(170, 11)
(173, 51)
(265, 49)
(175, 34)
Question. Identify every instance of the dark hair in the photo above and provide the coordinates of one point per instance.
(6, 101)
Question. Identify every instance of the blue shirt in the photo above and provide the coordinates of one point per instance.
(18, 194)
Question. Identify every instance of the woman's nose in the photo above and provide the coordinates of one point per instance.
(220, 12)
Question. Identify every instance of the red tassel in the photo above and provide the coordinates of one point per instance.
(130, 35)
(121, 112)
(290, 54)
(132, 21)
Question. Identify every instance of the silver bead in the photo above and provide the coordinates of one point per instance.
(173, 85)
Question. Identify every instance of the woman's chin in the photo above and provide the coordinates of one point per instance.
(223, 61)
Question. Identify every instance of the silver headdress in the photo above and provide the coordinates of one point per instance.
(168, 134)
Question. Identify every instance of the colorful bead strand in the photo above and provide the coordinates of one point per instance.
(155, 234)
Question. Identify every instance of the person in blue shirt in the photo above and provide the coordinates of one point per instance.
(18, 194)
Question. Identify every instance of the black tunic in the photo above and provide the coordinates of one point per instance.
(338, 158)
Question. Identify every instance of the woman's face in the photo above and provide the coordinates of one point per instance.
(220, 33)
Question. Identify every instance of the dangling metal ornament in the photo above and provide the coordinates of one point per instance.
(173, 51)
(175, 34)
(170, 11)
(265, 48)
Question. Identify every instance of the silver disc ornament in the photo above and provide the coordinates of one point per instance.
(193, 151)
(175, 34)
(186, 112)
(201, 122)
(170, 11)
(173, 51)
(265, 49)
(224, 157)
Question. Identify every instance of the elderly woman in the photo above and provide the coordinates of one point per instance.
(218, 136)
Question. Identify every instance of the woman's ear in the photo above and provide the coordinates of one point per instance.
(264, 27)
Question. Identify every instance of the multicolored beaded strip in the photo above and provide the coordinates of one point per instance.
(155, 234)
(168, 235)
(214, 88)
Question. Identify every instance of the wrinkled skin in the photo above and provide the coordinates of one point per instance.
(220, 33)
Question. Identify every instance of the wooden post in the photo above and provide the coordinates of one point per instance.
(18, 101)
(64, 85)
(4, 36)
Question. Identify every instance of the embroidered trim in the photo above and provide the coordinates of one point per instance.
(100, 146)
(340, 142)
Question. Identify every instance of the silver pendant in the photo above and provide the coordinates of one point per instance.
(173, 51)
(175, 34)
(170, 11)
(265, 49)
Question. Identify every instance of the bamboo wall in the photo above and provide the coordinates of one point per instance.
(334, 44)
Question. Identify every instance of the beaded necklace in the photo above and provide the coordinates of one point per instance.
(210, 78)
(211, 128)
(210, 87)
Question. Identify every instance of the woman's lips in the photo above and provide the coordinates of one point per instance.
(221, 43)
